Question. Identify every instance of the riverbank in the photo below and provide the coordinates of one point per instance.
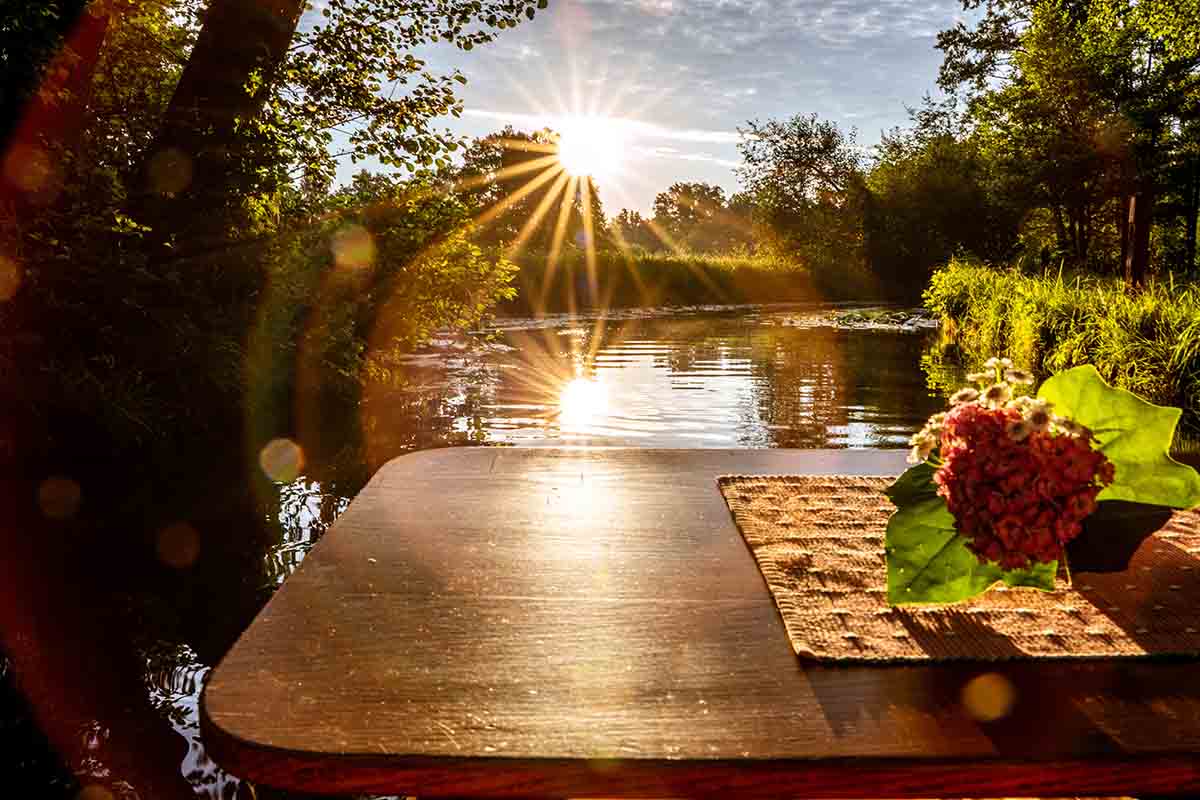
(641, 279)
(1147, 342)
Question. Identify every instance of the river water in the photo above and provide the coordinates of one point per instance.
(712, 377)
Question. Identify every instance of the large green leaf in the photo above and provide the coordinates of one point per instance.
(1134, 434)
(915, 484)
(929, 562)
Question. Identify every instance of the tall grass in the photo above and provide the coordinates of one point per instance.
(1147, 342)
(656, 279)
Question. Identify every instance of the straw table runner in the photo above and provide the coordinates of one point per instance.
(819, 543)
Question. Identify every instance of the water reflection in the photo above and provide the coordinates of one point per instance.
(744, 379)
(582, 404)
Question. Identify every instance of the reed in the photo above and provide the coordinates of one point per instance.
(1146, 341)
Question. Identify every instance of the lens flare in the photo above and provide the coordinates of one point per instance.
(989, 697)
(10, 278)
(170, 171)
(59, 498)
(353, 247)
(281, 460)
(178, 545)
(94, 792)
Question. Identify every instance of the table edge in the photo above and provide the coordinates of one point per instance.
(836, 779)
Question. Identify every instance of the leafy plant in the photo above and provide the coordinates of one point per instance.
(929, 560)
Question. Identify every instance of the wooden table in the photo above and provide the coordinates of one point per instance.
(540, 623)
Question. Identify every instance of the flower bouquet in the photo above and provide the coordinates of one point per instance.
(1004, 487)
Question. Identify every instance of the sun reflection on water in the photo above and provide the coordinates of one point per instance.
(582, 404)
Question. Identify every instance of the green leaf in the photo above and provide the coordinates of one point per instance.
(1134, 434)
(915, 484)
(928, 560)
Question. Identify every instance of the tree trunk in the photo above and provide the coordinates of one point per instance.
(1085, 237)
(1123, 227)
(188, 180)
(1193, 210)
(1061, 228)
(1141, 217)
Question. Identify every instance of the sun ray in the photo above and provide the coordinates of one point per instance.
(528, 146)
(508, 202)
(506, 172)
(666, 239)
(539, 213)
(589, 237)
(560, 232)
(589, 254)
(627, 253)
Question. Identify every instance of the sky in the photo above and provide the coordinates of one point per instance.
(685, 74)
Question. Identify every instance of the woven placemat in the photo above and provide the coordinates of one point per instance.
(819, 543)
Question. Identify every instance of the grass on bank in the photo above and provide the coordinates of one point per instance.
(1147, 342)
(655, 279)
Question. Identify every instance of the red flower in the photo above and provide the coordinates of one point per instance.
(1017, 501)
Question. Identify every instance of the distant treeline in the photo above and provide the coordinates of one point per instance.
(629, 279)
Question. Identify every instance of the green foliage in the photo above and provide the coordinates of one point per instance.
(1079, 105)
(652, 279)
(804, 179)
(388, 264)
(1135, 436)
(1146, 342)
(928, 560)
(341, 73)
(697, 217)
(932, 194)
(132, 350)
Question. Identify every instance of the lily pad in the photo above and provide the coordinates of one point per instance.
(1134, 434)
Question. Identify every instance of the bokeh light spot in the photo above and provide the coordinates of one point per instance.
(178, 545)
(59, 497)
(281, 460)
(32, 171)
(10, 278)
(989, 697)
(353, 247)
(170, 171)
(94, 793)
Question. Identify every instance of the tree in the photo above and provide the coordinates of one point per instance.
(806, 180)
(260, 100)
(1096, 96)
(635, 231)
(695, 216)
(933, 194)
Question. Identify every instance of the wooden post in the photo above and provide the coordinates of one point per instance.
(1141, 207)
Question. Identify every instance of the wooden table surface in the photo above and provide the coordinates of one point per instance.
(556, 623)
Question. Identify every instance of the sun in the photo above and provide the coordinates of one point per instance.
(591, 147)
